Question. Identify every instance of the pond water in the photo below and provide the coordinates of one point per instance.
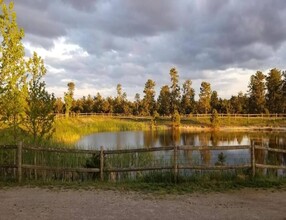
(146, 139)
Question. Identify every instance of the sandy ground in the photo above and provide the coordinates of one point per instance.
(35, 203)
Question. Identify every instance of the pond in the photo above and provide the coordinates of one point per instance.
(147, 139)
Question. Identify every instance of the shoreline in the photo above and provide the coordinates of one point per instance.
(233, 128)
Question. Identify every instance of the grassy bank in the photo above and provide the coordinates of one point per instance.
(69, 130)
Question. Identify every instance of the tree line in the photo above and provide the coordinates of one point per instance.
(266, 94)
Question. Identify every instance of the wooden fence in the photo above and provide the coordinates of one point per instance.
(18, 164)
(221, 115)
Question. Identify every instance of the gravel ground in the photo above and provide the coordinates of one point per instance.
(36, 203)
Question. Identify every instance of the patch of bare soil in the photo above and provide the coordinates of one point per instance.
(36, 203)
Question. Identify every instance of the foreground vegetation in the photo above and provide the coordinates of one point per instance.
(160, 183)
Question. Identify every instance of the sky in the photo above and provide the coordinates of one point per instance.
(98, 44)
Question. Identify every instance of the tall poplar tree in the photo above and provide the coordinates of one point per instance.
(149, 104)
(205, 97)
(69, 98)
(188, 98)
(175, 90)
(40, 104)
(164, 101)
(257, 102)
(274, 95)
(13, 85)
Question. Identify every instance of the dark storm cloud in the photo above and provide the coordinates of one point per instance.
(125, 38)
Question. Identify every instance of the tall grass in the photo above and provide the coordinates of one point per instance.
(69, 130)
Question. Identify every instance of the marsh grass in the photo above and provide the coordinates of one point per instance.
(69, 130)
(236, 122)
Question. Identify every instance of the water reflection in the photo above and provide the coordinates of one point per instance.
(139, 139)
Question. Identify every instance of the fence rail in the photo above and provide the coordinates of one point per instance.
(102, 167)
(222, 115)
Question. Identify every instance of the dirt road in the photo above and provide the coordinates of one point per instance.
(35, 203)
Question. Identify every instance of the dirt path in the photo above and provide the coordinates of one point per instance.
(34, 203)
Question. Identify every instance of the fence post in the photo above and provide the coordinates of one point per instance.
(19, 161)
(175, 163)
(101, 163)
(253, 158)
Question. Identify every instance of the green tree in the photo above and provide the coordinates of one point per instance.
(257, 102)
(164, 101)
(205, 97)
(214, 100)
(214, 119)
(239, 103)
(175, 91)
(274, 95)
(176, 119)
(188, 98)
(284, 91)
(40, 104)
(137, 104)
(98, 103)
(13, 84)
(149, 104)
(119, 100)
(69, 98)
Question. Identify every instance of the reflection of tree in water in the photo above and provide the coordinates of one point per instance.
(188, 138)
(150, 138)
(239, 137)
(205, 154)
(215, 138)
(274, 158)
(176, 136)
(165, 139)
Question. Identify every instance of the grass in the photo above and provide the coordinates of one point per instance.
(159, 184)
(69, 130)
(236, 122)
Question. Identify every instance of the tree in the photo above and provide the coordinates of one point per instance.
(214, 101)
(176, 119)
(284, 92)
(40, 104)
(98, 103)
(69, 98)
(59, 106)
(149, 104)
(205, 97)
(188, 98)
(13, 84)
(164, 101)
(118, 102)
(214, 119)
(175, 90)
(239, 103)
(257, 93)
(137, 104)
(274, 95)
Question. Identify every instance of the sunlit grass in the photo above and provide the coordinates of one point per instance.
(69, 130)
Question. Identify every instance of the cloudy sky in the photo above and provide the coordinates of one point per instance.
(100, 43)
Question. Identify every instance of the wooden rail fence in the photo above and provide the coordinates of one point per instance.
(221, 115)
(101, 154)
